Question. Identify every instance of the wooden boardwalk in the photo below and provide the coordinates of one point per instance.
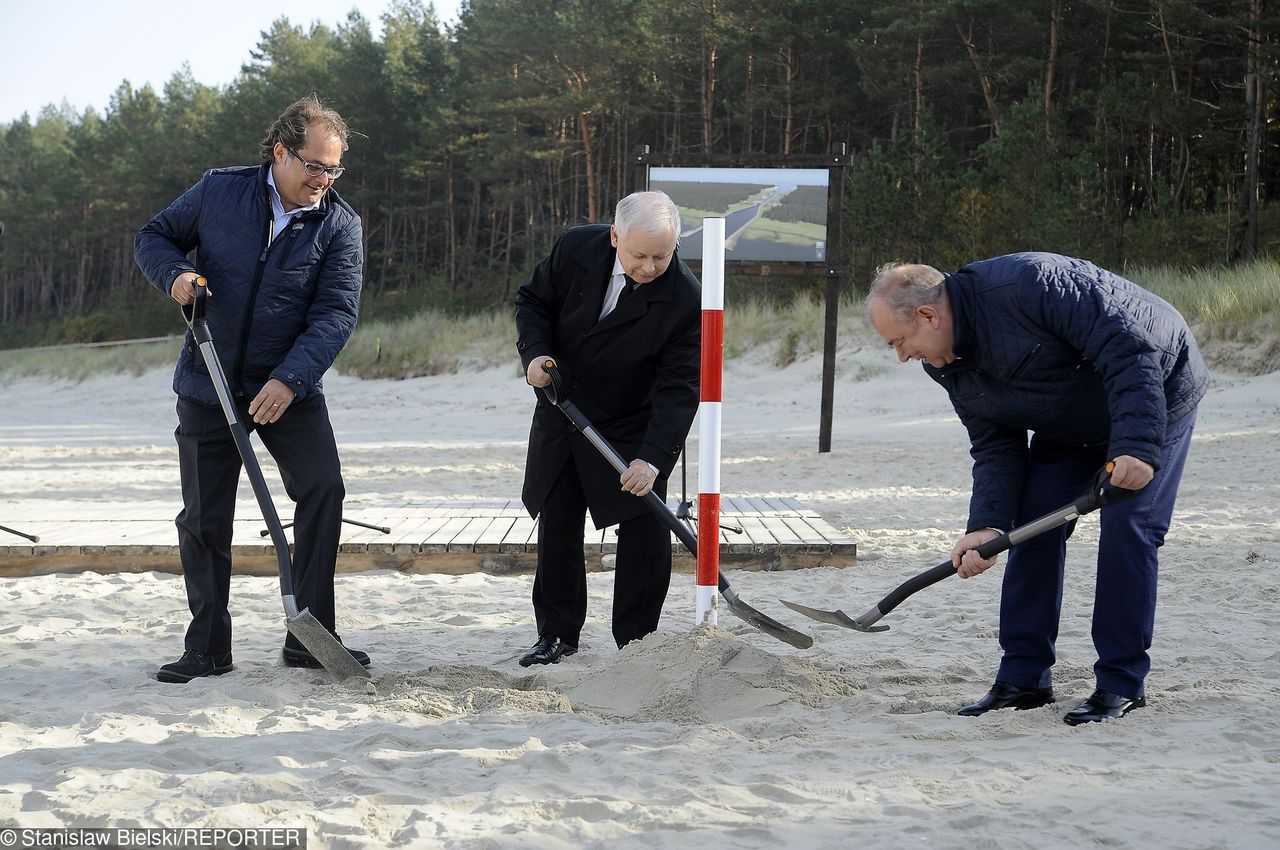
(494, 536)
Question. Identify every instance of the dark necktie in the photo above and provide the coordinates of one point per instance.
(627, 288)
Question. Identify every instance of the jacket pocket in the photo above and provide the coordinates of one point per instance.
(297, 261)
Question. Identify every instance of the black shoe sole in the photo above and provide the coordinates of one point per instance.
(172, 678)
(1023, 703)
(526, 661)
(1080, 719)
(307, 661)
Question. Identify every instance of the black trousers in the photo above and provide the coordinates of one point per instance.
(641, 577)
(303, 446)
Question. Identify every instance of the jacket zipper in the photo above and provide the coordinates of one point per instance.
(294, 229)
(247, 324)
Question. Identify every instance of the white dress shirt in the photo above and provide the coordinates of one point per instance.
(279, 218)
(616, 284)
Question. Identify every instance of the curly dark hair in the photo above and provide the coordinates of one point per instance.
(290, 129)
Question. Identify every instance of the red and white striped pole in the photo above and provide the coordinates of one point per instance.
(709, 421)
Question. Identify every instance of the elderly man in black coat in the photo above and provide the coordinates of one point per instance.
(1057, 367)
(620, 314)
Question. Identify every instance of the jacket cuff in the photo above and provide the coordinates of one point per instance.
(292, 381)
(1144, 452)
(174, 273)
(979, 523)
(663, 459)
(530, 351)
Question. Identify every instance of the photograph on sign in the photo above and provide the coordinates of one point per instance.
(776, 215)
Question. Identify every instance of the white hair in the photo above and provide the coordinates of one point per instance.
(654, 212)
(904, 287)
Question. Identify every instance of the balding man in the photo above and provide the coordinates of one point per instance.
(1056, 367)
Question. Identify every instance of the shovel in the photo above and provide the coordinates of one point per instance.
(556, 395)
(1098, 496)
(303, 625)
(33, 538)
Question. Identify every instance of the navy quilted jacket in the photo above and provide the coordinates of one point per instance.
(282, 310)
(1059, 347)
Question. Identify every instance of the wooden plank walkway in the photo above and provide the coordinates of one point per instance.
(494, 536)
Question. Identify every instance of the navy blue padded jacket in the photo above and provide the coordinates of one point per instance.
(281, 310)
(1075, 354)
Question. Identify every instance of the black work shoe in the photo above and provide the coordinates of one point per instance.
(548, 650)
(1102, 705)
(193, 665)
(1005, 695)
(301, 658)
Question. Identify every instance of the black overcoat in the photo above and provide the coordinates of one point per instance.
(634, 374)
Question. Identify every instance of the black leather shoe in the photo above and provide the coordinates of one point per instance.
(301, 658)
(193, 665)
(1005, 695)
(1102, 705)
(548, 650)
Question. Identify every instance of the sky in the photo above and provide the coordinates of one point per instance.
(81, 50)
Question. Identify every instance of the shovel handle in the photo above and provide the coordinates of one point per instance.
(201, 302)
(1098, 496)
(1101, 495)
(32, 537)
(946, 569)
(915, 584)
(555, 391)
(196, 311)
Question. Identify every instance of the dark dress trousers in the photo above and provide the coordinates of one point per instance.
(634, 374)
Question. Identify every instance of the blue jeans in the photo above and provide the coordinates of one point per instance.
(1125, 599)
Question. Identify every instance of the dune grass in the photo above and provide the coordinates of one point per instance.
(1239, 305)
(77, 362)
(1224, 303)
(1234, 311)
(430, 343)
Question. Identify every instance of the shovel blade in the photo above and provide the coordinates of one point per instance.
(324, 647)
(835, 618)
(768, 625)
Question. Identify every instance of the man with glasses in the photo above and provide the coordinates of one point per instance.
(283, 257)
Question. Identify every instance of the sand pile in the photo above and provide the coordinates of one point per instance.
(706, 675)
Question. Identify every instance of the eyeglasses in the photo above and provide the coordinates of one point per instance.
(315, 169)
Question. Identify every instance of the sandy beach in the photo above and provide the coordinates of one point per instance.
(710, 738)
